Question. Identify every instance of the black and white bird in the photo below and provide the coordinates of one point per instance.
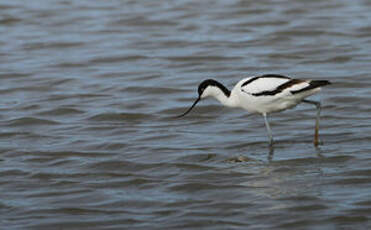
(264, 94)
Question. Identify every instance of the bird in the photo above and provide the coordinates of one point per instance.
(263, 95)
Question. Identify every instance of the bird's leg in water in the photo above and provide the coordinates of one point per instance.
(316, 140)
(268, 130)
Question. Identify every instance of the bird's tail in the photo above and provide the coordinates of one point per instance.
(319, 83)
(312, 85)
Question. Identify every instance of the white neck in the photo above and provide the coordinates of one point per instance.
(217, 93)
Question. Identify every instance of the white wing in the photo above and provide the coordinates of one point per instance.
(270, 85)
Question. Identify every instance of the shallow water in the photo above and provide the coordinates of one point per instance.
(88, 89)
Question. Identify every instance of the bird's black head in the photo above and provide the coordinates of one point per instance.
(203, 92)
(203, 85)
(211, 82)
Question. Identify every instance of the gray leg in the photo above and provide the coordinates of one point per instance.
(316, 129)
(268, 130)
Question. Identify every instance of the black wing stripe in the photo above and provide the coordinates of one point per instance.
(280, 88)
(264, 76)
(312, 85)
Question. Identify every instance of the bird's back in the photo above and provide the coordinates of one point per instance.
(272, 93)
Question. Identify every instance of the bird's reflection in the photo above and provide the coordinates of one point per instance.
(270, 153)
(318, 152)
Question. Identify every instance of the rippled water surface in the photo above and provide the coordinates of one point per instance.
(88, 90)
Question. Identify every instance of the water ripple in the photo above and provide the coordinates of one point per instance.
(89, 91)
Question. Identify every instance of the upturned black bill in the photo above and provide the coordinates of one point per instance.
(189, 110)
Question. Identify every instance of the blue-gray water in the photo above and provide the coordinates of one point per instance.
(88, 89)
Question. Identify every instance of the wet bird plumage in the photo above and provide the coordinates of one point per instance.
(263, 94)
